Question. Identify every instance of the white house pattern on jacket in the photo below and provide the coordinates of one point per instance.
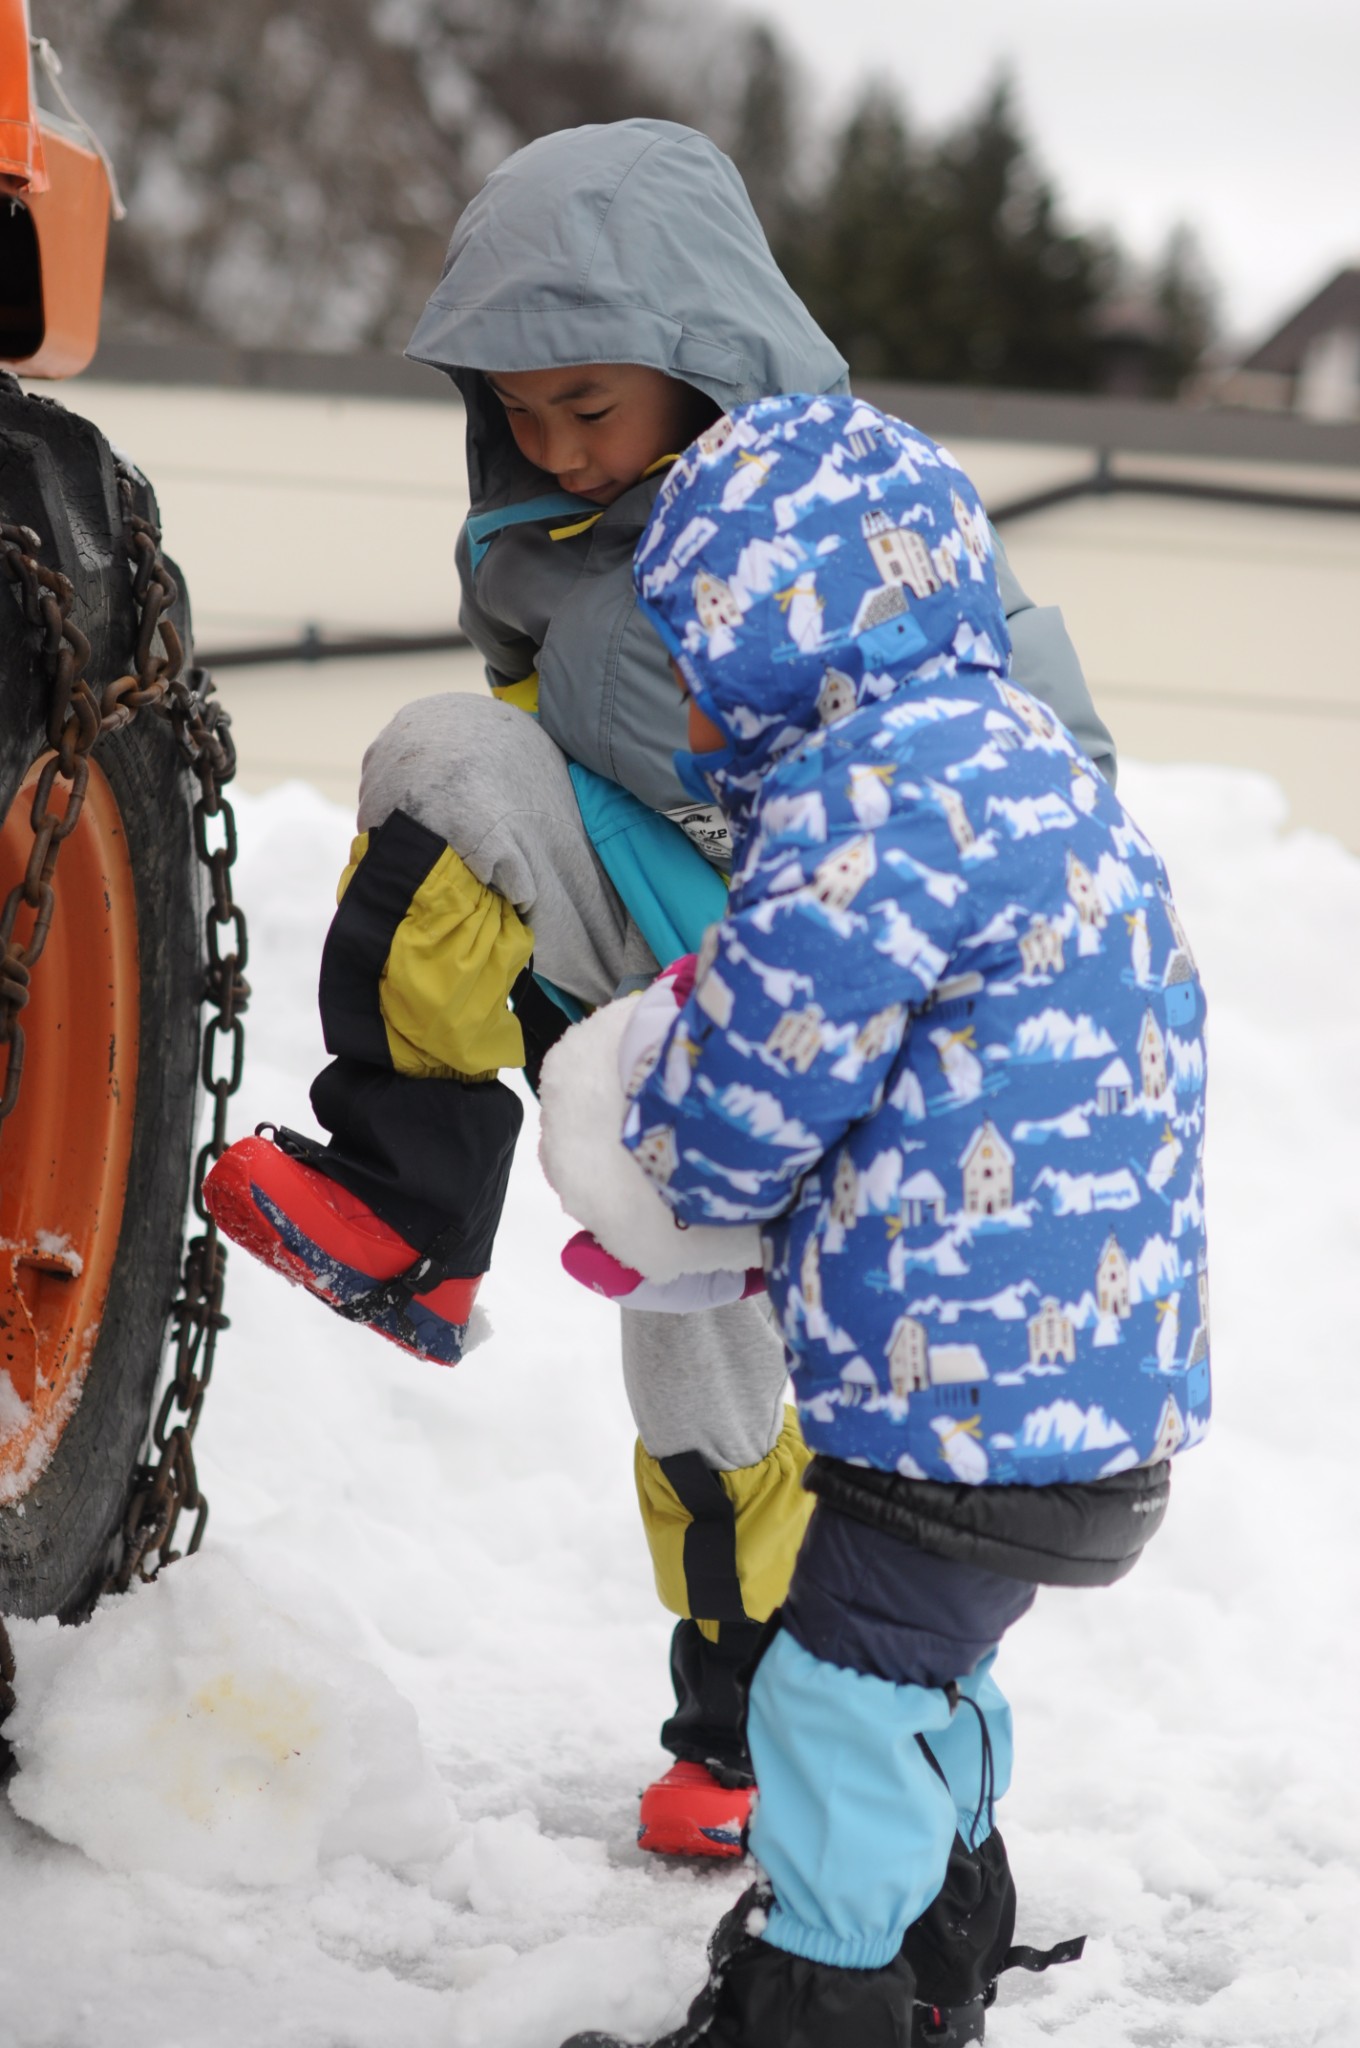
(957, 1067)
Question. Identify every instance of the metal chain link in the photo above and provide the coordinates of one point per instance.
(165, 1489)
(166, 1485)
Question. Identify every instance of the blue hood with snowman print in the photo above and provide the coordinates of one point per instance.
(947, 1043)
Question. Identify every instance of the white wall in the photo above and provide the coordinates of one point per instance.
(1209, 632)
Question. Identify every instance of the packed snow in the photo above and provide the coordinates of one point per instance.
(363, 1774)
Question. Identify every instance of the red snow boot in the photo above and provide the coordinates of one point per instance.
(320, 1236)
(691, 1812)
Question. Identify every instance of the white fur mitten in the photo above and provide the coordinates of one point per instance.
(583, 1103)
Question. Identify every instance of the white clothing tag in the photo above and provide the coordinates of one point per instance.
(708, 828)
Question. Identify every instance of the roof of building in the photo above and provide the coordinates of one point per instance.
(1337, 305)
(992, 1135)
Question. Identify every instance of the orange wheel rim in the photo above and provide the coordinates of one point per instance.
(65, 1148)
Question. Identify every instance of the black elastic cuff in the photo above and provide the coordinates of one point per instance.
(1061, 1535)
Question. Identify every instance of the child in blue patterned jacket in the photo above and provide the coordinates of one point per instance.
(946, 1048)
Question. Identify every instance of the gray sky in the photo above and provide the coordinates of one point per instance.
(1241, 117)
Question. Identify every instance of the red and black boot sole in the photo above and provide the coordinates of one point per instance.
(319, 1236)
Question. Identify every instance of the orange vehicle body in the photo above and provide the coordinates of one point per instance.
(54, 235)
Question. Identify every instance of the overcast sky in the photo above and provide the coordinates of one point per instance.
(1241, 117)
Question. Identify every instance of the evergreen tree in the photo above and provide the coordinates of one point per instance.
(860, 254)
(763, 128)
(1184, 296)
(949, 264)
(1016, 292)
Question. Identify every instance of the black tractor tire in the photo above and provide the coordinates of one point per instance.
(57, 476)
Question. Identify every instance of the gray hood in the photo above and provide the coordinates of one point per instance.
(628, 243)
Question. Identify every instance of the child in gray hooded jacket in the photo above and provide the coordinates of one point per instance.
(607, 294)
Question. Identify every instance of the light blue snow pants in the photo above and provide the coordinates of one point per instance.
(854, 1824)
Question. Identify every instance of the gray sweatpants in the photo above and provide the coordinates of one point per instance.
(488, 780)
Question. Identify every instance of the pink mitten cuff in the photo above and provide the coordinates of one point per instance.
(586, 1259)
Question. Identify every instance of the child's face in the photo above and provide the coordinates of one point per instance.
(597, 427)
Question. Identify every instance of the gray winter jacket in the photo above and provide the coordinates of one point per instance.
(633, 243)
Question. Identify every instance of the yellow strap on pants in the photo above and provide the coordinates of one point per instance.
(723, 1543)
(453, 961)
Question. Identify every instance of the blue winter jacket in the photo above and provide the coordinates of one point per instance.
(947, 1043)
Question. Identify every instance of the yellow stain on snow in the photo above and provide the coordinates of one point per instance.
(255, 1731)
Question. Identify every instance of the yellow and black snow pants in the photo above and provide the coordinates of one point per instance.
(471, 858)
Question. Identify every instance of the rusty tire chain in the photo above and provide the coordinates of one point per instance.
(165, 1489)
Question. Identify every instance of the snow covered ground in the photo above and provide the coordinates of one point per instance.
(363, 1774)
